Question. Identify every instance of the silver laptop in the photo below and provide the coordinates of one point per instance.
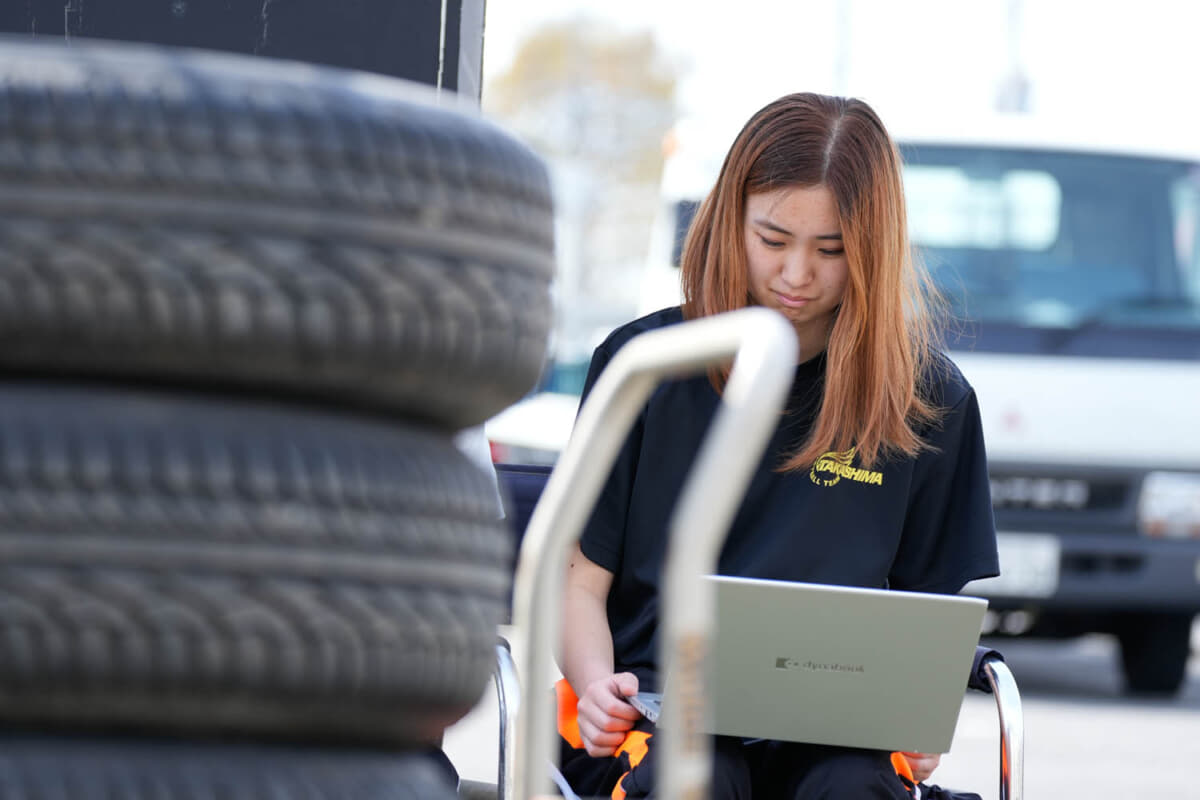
(808, 662)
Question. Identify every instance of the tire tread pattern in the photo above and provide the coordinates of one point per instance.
(173, 562)
(210, 218)
(114, 769)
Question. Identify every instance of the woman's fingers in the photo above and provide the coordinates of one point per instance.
(620, 708)
(605, 715)
(922, 764)
(606, 698)
(601, 720)
(599, 742)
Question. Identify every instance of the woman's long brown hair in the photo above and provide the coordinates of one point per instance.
(883, 336)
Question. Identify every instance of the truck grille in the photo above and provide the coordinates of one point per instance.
(1057, 493)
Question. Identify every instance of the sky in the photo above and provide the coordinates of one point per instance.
(1114, 63)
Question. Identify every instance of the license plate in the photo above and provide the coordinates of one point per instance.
(1028, 567)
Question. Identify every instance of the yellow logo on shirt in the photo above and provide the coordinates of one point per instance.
(833, 466)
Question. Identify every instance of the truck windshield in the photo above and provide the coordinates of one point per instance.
(1043, 251)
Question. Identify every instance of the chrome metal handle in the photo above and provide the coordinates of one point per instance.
(1012, 729)
(508, 693)
(764, 351)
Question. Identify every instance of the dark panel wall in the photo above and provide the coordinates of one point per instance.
(414, 39)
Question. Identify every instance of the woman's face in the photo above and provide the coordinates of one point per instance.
(797, 264)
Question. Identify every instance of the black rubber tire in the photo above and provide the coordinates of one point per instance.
(222, 220)
(131, 769)
(1155, 648)
(183, 564)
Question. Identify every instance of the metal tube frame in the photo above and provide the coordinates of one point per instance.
(508, 695)
(1012, 729)
(764, 351)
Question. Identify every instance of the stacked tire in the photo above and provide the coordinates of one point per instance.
(244, 307)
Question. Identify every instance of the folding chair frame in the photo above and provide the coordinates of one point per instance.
(765, 351)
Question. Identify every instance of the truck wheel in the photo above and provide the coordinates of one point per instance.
(1155, 649)
(230, 223)
(148, 769)
(193, 566)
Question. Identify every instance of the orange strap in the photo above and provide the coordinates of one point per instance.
(568, 714)
(900, 764)
(635, 747)
(904, 770)
(618, 792)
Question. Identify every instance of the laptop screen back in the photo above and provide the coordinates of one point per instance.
(837, 665)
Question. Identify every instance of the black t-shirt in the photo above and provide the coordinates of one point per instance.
(918, 524)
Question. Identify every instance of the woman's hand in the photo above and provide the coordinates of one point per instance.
(922, 764)
(605, 716)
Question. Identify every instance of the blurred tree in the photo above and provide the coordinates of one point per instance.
(597, 104)
(582, 88)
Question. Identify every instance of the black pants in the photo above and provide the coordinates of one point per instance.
(742, 771)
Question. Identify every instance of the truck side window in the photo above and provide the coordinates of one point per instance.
(1185, 207)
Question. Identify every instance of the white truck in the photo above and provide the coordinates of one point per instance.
(1071, 262)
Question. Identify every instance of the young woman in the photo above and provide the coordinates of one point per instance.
(875, 475)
